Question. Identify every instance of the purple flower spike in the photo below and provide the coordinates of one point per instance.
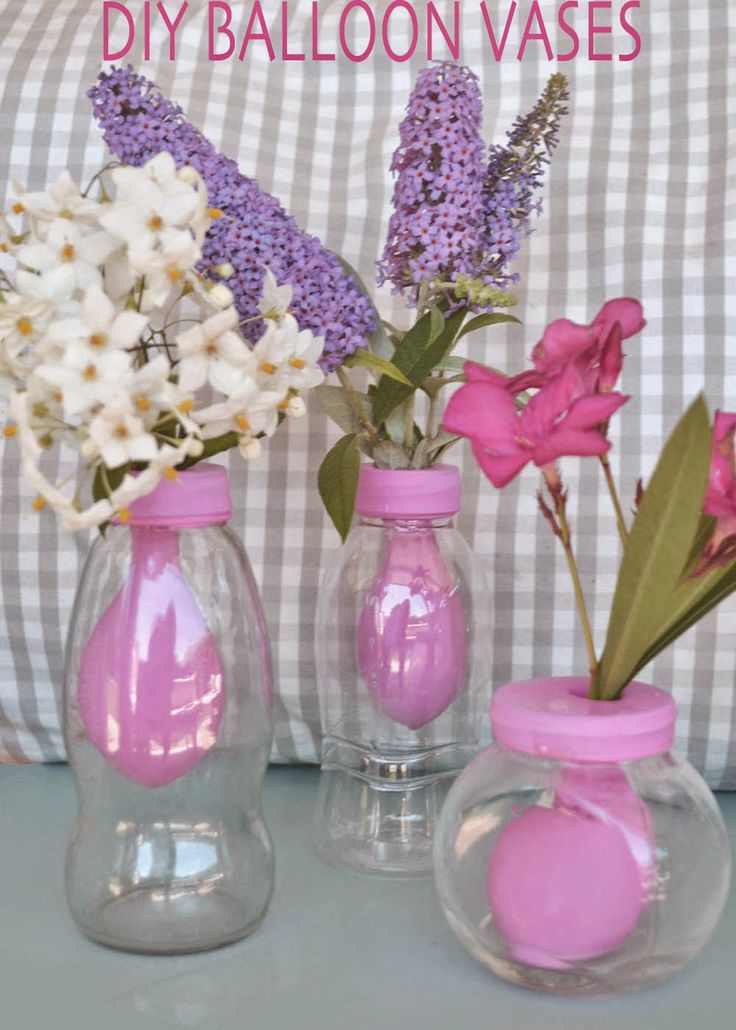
(434, 232)
(514, 173)
(139, 122)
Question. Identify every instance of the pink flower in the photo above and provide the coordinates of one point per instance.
(720, 497)
(557, 421)
(595, 349)
(530, 380)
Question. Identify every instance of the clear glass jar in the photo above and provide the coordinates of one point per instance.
(400, 669)
(168, 728)
(577, 854)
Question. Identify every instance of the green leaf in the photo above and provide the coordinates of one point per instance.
(390, 455)
(365, 359)
(659, 544)
(692, 601)
(425, 345)
(482, 321)
(334, 402)
(114, 479)
(338, 482)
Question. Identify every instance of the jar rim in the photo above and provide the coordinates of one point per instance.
(408, 493)
(197, 496)
(553, 718)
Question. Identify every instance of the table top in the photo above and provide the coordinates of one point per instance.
(337, 951)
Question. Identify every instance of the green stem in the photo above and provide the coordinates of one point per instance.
(409, 423)
(558, 496)
(613, 492)
(431, 414)
(356, 404)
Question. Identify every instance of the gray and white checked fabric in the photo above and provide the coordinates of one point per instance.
(641, 200)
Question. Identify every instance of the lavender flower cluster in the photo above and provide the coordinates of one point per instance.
(456, 220)
(514, 173)
(434, 231)
(255, 231)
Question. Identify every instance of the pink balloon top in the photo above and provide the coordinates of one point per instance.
(553, 718)
(432, 493)
(199, 497)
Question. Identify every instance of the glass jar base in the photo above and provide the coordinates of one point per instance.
(151, 921)
(376, 812)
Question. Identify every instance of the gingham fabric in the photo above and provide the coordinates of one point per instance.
(640, 201)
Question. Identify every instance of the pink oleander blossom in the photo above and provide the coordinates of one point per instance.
(720, 497)
(556, 422)
(595, 349)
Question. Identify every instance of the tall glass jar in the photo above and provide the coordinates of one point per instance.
(401, 670)
(578, 854)
(168, 728)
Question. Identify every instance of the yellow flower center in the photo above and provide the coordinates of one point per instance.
(298, 363)
(267, 367)
(25, 326)
(68, 253)
(284, 404)
(186, 406)
(124, 515)
(170, 473)
(242, 423)
(142, 403)
(211, 348)
(18, 208)
(39, 504)
(10, 431)
(98, 339)
(121, 431)
(215, 213)
(155, 223)
(90, 372)
(175, 274)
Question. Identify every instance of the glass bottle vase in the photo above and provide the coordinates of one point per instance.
(400, 671)
(168, 728)
(578, 854)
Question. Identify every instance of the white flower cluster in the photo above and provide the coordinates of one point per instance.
(111, 340)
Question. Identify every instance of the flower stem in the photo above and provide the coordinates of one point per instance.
(559, 497)
(409, 423)
(613, 492)
(357, 406)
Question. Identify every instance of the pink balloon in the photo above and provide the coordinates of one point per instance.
(569, 883)
(411, 639)
(150, 681)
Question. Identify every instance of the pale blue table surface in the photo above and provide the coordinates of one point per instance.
(336, 952)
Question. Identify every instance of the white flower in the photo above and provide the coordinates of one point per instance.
(23, 322)
(248, 411)
(150, 390)
(171, 264)
(249, 447)
(62, 200)
(288, 355)
(296, 407)
(85, 379)
(101, 326)
(275, 299)
(120, 436)
(208, 343)
(68, 258)
(152, 200)
(219, 295)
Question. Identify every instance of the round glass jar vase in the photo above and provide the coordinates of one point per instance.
(577, 854)
(400, 671)
(168, 728)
